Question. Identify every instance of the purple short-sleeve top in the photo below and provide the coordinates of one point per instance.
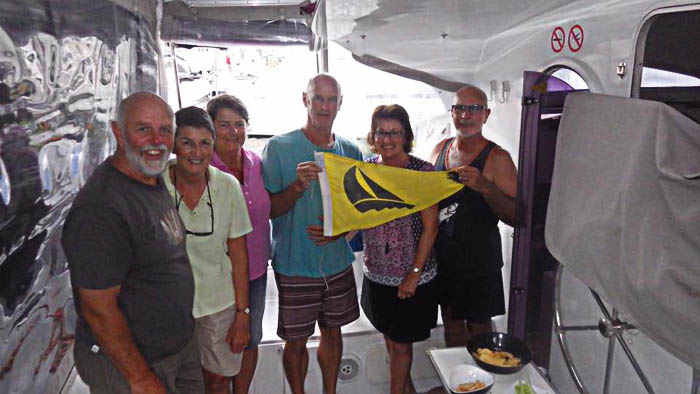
(258, 204)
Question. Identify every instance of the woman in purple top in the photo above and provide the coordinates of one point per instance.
(399, 294)
(230, 118)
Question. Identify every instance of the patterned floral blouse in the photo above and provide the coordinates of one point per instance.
(391, 247)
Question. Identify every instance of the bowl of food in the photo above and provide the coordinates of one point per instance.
(465, 378)
(499, 352)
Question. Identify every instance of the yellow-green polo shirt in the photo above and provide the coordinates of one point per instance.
(210, 264)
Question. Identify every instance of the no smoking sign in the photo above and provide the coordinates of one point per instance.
(576, 38)
(559, 39)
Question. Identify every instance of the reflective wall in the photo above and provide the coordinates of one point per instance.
(63, 67)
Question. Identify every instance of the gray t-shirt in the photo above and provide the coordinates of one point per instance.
(121, 232)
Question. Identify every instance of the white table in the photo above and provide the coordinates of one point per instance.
(445, 359)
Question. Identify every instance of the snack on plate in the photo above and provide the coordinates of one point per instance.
(524, 388)
(471, 386)
(498, 358)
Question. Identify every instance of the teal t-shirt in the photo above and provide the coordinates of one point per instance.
(293, 252)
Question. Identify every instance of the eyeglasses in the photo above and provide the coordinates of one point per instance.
(474, 108)
(211, 207)
(393, 134)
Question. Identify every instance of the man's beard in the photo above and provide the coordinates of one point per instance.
(467, 128)
(146, 167)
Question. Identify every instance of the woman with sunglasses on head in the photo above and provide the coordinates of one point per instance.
(211, 205)
(230, 117)
(399, 296)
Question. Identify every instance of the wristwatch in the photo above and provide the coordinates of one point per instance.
(245, 310)
(416, 270)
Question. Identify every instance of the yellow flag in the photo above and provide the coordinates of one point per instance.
(358, 195)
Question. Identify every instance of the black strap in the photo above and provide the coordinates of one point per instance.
(480, 160)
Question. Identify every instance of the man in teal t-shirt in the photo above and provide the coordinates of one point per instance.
(313, 272)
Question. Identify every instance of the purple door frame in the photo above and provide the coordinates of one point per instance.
(530, 306)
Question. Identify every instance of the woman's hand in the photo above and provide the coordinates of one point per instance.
(408, 285)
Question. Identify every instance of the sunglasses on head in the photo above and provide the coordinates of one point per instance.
(211, 208)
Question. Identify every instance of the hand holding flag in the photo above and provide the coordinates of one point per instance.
(358, 195)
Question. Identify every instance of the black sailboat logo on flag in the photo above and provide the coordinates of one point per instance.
(377, 198)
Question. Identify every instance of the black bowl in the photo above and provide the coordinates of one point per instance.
(498, 341)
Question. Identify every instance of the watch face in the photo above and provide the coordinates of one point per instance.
(416, 269)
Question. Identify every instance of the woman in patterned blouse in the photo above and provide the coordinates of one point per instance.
(399, 294)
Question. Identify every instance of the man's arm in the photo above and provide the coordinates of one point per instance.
(498, 193)
(435, 153)
(238, 335)
(315, 234)
(100, 310)
(501, 196)
(282, 202)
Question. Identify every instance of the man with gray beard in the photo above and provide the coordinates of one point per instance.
(131, 277)
(468, 245)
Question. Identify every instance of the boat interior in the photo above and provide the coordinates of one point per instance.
(624, 72)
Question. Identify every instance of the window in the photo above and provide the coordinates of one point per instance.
(569, 76)
(652, 77)
(270, 80)
(365, 88)
(668, 51)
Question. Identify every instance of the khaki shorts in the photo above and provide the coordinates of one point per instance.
(179, 373)
(216, 354)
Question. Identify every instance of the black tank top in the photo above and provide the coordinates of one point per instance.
(468, 243)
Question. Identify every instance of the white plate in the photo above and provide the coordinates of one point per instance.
(465, 373)
(538, 389)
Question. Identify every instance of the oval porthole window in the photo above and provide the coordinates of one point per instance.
(569, 76)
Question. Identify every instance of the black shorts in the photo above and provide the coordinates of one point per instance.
(473, 298)
(408, 320)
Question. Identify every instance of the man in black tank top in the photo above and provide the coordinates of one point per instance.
(468, 246)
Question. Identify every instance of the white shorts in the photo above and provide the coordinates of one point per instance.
(211, 331)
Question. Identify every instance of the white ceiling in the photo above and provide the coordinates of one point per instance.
(444, 38)
(438, 41)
